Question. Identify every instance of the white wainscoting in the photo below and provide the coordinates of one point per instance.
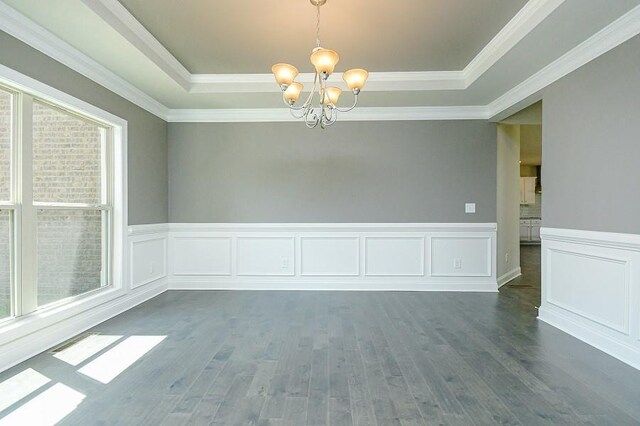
(591, 288)
(446, 257)
(147, 254)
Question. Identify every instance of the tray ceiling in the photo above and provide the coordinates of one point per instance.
(210, 60)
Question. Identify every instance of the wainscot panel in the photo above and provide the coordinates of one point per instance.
(591, 288)
(333, 256)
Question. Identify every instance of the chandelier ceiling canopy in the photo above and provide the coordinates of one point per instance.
(325, 111)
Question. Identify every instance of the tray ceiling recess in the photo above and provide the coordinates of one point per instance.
(210, 61)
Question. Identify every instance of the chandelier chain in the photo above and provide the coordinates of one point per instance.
(318, 25)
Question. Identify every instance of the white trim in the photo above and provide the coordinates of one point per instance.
(525, 21)
(509, 276)
(283, 270)
(24, 29)
(616, 33)
(121, 20)
(258, 115)
(605, 317)
(57, 332)
(154, 228)
(486, 286)
(625, 353)
(330, 227)
(377, 82)
(594, 238)
(527, 18)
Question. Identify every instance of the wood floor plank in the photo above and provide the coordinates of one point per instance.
(350, 358)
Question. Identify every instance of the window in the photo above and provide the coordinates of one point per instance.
(56, 204)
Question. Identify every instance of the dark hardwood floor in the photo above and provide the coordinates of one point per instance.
(343, 358)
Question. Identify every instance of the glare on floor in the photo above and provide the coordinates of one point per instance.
(117, 359)
(17, 387)
(48, 408)
(85, 348)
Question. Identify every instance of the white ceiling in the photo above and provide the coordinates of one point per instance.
(424, 55)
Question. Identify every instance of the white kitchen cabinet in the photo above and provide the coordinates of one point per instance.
(525, 230)
(528, 190)
(535, 229)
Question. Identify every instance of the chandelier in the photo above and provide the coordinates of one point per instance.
(324, 60)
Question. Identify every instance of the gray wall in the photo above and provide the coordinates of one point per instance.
(147, 134)
(591, 145)
(351, 172)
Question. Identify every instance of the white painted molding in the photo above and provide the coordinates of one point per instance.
(154, 228)
(594, 238)
(528, 18)
(258, 115)
(568, 324)
(377, 82)
(616, 33)
(54, 333)
(331, 227)
(333, 256)
(24, 29)
(121, 20)
(509, 276)
(591, 288)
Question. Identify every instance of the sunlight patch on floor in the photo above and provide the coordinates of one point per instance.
(85, 348)
(48, 408)
(17, 387)
(117, 359)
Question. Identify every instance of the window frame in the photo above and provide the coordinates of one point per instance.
(27, 317)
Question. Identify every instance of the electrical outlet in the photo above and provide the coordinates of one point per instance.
(152, 267)
(285, 263)
(457, 263)
(506, 258)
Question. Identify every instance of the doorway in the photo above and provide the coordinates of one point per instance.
(520, 200)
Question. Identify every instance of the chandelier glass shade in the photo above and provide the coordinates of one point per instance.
(324, 111)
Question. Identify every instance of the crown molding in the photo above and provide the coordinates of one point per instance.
(24, 29)
(616, 33)
(260, 115)
(122, 21)
(621, 30)
(377, 82)
(525, 21)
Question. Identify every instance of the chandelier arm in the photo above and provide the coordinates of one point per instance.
(310, 120)
(355, 102)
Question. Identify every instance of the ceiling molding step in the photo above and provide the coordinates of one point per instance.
(613, 35)
(261, 115)
(19, 26)
(377, 82)
(123, 22)
(525, 21)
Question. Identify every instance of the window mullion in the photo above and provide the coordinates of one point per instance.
(28, 300)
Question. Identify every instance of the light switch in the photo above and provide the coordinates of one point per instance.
(470, 208)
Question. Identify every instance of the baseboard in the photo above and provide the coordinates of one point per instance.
(591, 289)
(592, 336)
(509, 276)
(387, 285)
(35, 343)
